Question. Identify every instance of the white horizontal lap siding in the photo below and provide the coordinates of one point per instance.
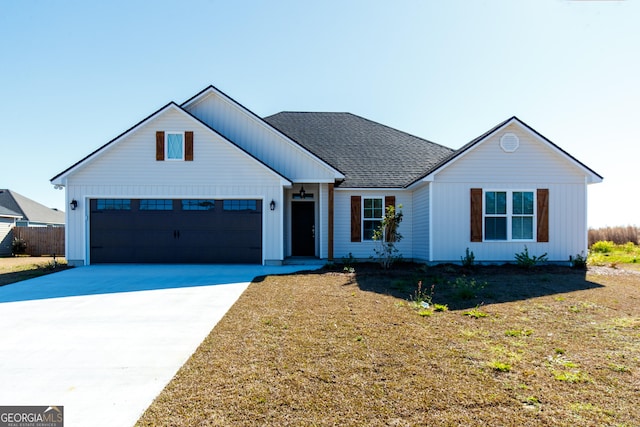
(451, 230)
(532, 162)
(365, 249)
(258, 139)
(5, 239)
(530, 167)
(132, 160)
(129, 169)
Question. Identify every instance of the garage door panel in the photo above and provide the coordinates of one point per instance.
(177, 235)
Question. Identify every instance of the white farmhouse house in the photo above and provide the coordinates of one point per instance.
(208, 181)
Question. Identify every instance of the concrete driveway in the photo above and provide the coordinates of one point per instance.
(103, 341)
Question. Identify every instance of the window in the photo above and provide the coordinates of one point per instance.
(522, 219)
(156, 205)
(372, 214)
(240, 205)
(175, 146)
(495, 219)
(113, 204)
(198, 205)
(508, 215)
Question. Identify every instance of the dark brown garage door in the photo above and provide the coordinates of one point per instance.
(175, 231)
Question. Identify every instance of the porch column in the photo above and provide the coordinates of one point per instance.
(330, 223)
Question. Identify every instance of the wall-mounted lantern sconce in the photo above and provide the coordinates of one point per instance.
(302, 192)
(272, 205)
(74, 204)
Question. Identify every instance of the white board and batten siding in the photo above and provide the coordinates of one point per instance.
(259, 139)
(532, 166)
(421, 225)
(365, 249)
(219, 170)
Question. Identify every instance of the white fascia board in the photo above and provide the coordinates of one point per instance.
(255, 118)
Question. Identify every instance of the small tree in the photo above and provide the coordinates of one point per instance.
(386, 236)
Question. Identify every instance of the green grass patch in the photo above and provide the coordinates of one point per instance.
(608, 253)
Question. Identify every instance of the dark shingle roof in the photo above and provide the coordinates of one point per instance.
(30, 210)
(369, 154)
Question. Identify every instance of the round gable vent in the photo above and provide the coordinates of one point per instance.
(509, 142)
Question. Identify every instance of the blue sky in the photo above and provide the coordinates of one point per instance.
(75, 74)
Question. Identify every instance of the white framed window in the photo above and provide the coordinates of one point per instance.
(174, 145)
(509, 215)
(372, 214)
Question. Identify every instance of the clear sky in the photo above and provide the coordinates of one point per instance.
(76, 74)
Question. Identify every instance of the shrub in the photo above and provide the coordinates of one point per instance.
(603, 246)
(524, 260)
(18, 246)
(386, 236)
(578, 262)
(468, 259)
(467, 288)
(348, 263)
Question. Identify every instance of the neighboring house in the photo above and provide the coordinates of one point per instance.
(17, 210)
(208, 181)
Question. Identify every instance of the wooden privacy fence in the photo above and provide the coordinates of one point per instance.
(41, 240)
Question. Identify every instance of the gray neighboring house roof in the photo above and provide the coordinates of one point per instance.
(14, 204)
(369, 154)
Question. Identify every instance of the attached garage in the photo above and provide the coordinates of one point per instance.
(175, 231)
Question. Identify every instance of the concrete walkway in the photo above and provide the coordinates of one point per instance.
(103, 341)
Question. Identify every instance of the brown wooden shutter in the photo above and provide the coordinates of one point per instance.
(543, 214)
(476, 214)
(356, 219)
(188, 146)
(388, 201)
(159, 145)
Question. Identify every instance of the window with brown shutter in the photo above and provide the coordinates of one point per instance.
(388, 201)
(509, 215)
(543, 215)
(188, 146)
(356, 225)
(159, 145)
(476, 214)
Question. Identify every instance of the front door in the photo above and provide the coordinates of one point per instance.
(303, 233)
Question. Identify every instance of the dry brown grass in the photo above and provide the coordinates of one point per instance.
(16, 269)
(557, 347)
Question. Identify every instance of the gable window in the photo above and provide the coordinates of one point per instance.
(174, 146)
(372, 214)
(508, 215)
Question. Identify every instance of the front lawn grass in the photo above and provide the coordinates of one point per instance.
(553, 346)
(17, 269)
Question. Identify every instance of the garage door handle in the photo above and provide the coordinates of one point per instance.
(176, 234)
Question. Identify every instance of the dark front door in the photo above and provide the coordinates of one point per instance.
(303, 234)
